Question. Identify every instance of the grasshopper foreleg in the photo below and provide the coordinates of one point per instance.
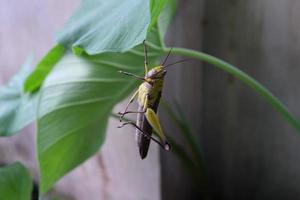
(127, 106)
(122, 114)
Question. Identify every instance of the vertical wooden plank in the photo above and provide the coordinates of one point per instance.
(252, 152)
(184, 85)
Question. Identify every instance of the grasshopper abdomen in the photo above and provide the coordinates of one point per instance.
(145, 101)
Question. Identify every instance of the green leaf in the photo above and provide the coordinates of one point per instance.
(76, 101)
(15, 183)
(78, 96)
(36, 78)
(109, 26)
(17, 109)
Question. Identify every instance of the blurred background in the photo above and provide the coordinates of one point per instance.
(250, 151)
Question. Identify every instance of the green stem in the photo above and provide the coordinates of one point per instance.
(160, 37)
(256, 86)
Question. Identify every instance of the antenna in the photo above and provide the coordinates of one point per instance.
(177, 62)
(167, 57)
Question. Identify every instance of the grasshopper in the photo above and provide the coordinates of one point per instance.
(148, 97)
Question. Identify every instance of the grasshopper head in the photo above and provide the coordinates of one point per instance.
(156, 73)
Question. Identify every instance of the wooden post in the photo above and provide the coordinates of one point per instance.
(184, 85)
(252, 152)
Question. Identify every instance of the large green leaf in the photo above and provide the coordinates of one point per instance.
(78, 96)
(76, 101)
(79, 27)
(110, 26)
(15, 183)
(17, 109)
(74, 106)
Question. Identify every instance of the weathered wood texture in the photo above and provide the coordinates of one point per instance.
(184, 85)
(251, 151)
(116, 172)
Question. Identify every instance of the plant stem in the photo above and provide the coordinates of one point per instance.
(256, 86)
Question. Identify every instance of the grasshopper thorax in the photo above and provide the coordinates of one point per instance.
(156, 73)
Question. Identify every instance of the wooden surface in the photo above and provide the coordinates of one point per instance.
(252, 152)
(184, 85)
(116, 172)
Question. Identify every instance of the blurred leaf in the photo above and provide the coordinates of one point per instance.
(36, 78)
(17, 109)
(196, 166)
(179, 120)
(15, 182)
(109, 26)
(156, 6)
(182, 155)
(166, 16)
(189, 135)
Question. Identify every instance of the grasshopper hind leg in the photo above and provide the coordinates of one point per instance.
(153, 121)
(144, 134)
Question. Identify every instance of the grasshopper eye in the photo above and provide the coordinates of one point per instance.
(162, 73)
